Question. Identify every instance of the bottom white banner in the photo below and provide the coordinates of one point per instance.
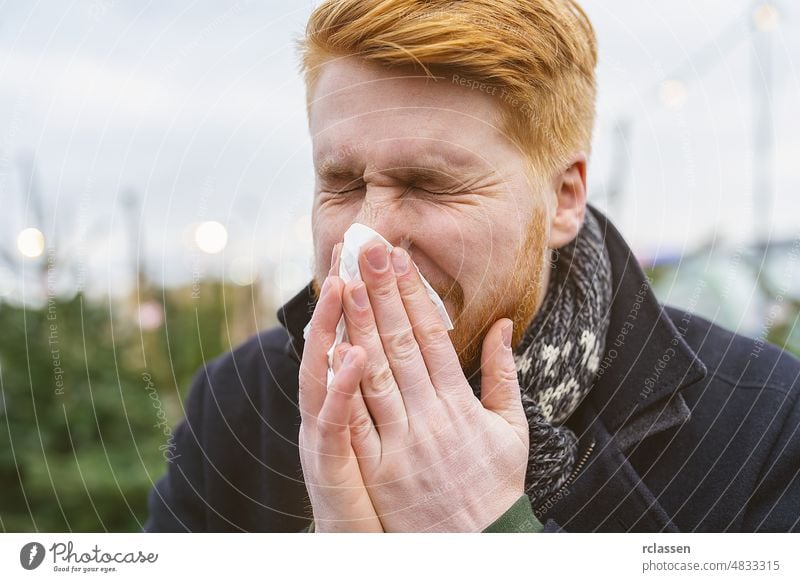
(350, 557)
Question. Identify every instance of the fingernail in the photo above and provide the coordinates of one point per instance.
(349, 357)
(325, 285)
(378, 258)
(334, 257)
(399, 260)
(359, 294)
(507, 335)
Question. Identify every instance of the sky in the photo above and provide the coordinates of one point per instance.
(134, 121)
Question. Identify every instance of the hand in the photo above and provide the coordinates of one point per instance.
(435, 458)
(331, 418)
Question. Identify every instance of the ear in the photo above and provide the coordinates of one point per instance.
(569, 188)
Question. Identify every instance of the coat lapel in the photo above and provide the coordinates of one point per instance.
(636, 395)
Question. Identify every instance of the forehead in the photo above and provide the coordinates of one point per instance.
(357, 106)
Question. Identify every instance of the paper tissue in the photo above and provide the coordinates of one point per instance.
(356, 237)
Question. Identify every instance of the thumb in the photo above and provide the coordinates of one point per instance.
(500, 390)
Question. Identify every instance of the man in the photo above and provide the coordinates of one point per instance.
(565, 398)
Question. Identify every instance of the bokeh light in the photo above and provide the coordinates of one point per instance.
(211, 237)
(30, 242)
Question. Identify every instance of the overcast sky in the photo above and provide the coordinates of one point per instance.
(196, 111)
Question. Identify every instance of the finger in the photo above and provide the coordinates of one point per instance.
(338, 355)
(333, 425)
(378, 387)
(500, 390)
(434, 342)
(364, 437)
(336, 256)
(394, 327)
(313, 376)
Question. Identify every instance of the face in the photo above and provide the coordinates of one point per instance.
(426, 164)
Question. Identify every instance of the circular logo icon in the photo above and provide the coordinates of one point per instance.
(31, 555)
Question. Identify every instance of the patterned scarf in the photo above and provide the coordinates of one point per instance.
(559, 355)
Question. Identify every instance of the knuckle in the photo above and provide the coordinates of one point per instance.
(403, 346)
(507, 375)
(381, 379)
(434, 334)
(384, 292)
(381, 383)
(412, 289)
(361, 424)
(328, 430)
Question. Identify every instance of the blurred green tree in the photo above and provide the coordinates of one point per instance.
(89, 392)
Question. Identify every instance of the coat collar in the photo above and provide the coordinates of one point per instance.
(294, 315)
(645, 362)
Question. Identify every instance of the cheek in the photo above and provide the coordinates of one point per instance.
(465, 250)
(491, 249)
(328, 226)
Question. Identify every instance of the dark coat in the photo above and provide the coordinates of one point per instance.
(689, 427)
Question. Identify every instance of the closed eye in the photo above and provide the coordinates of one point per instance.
(346, 188)
(410, 188)
(337, 192)
(432, 193)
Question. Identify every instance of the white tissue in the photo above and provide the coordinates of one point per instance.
(356, 237)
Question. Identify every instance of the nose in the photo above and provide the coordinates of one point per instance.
(384, 213)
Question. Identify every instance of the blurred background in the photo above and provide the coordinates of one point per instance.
(155, 190)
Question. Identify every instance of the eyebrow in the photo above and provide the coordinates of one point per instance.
(337, 169)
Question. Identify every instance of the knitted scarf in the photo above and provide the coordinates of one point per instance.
(559, 355)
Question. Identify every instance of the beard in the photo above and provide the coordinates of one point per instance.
(517, 297)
